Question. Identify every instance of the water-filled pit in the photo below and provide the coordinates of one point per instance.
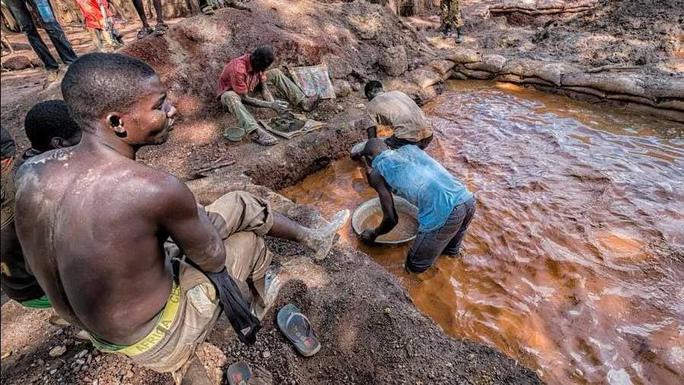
(574, 261)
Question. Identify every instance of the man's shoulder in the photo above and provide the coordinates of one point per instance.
(35, 166)
(237, 64)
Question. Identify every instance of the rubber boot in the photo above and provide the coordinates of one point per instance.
(459, 35)
(446, 30)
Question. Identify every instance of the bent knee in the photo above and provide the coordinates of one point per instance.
(230, 97)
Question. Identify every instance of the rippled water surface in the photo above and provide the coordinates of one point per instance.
(575, 258)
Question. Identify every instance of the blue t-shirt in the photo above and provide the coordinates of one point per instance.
(415, 176)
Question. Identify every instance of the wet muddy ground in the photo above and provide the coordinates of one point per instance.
(575, 258)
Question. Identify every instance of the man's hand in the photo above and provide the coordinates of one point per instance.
(368, 236)
(280, 106)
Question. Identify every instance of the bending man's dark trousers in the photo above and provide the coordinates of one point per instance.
(445, 240)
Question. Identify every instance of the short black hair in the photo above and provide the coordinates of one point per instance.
(373, 147)
(47, 120)
(372, 87)
(262, 58)
(97, 83)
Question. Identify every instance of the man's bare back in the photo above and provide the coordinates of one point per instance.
(112, 246)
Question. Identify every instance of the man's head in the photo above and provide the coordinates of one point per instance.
(49, 126)
(373, 88)
(119, 94)
(262, 58)
(374, 147)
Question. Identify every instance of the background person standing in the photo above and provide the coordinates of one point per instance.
(160, 28)
(51, 26)
(451, 18)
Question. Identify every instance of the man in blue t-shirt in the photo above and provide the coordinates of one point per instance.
(445, 206)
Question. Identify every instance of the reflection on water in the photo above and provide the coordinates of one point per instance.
(575, 259)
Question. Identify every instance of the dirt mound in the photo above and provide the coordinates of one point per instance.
(351, 38)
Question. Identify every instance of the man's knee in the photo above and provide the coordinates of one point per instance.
(246, 255)
(230, 98)
(421, 258)
(52, 27)
(274, 74)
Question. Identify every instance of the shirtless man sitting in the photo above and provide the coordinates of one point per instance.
(93, 224)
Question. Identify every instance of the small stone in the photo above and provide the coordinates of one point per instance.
(17, 63)
(342, 88)
(82, 353)
(129, 374)
(266, 354)
(339, 107)
(83, 335)
(57, 351)
(394, 60)
(80, 362)
(387, 310)
(53, 371)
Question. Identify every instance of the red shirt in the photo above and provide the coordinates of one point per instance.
(238, 76)
(91, 13)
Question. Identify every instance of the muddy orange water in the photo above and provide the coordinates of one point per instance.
(575, 258)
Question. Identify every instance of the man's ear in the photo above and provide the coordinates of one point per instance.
(115, 122)
(57, 142)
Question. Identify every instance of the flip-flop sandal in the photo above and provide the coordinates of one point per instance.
(297, 328)
(238, 373)
(208, 10)
(144, 32)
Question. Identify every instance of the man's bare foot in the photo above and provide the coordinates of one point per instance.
(322, 240)
(263, 137)
(309, 103)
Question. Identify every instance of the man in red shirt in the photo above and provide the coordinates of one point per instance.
(237, 85)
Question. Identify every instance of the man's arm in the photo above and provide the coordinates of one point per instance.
(389, 212)
(189, 226)
(372, 131)
(239, 85)
(266, 93)
(277, 105)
